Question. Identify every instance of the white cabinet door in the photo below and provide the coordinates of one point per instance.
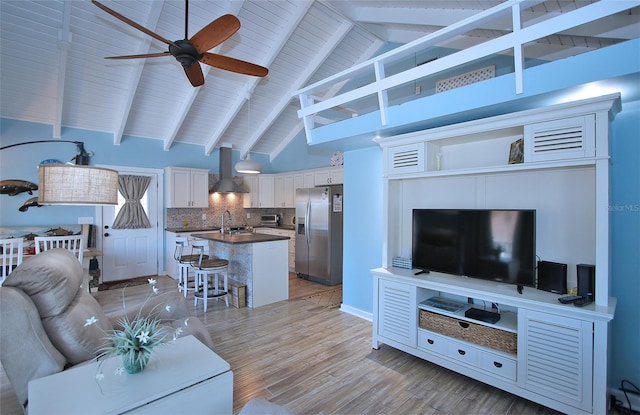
(309, 180)
(199, 189)
(321, 178)
(251, 199)
(266, 183)
(298, 183)
(398, 312)
(186, 188)
(328, 176)
(555, 357)
(284, 190)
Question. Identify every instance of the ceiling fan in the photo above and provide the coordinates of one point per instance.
(189, 51)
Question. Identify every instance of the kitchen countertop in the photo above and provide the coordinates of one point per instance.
(192, 229)
(281, 227)
(241, 239)
(203, 229)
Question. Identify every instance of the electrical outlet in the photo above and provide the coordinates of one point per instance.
(418, 90)
(204, 216)
(248, 215)
(85, 220)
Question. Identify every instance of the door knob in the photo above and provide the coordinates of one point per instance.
(106, 234)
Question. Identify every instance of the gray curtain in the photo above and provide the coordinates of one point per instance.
(132, 215)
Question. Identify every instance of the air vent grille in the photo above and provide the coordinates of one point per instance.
(560, 139)
(406, 159)
(403, 159)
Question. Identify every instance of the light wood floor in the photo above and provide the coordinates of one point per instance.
(318, 360)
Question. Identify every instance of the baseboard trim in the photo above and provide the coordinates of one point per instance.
(356, 312)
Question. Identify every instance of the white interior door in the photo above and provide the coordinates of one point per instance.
(130, 253)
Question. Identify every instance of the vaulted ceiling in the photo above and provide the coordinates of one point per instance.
(53, 69)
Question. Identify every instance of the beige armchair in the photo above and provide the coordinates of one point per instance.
(42, 316)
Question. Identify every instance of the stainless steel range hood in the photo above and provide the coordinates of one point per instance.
(226, 183)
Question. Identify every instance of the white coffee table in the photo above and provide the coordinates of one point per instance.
(185, 377)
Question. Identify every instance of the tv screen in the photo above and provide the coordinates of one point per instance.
(492, 244)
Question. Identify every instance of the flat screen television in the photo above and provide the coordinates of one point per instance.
(498, 245)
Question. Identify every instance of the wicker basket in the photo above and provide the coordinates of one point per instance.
(473, 333)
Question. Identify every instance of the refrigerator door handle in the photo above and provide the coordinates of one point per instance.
(307, 214)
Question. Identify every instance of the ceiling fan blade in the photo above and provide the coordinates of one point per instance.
(215, 33)
(145, 55)
(132, 23)
(233, 65)
(194, 73)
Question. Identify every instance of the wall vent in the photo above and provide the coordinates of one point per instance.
(560, 139)
(406, 159)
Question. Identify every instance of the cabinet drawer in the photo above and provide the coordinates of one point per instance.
(463, 352)
(474, 333)
(432, 342)
(499, 365)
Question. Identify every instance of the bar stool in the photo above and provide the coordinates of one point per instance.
(184, 263)
(203, 269)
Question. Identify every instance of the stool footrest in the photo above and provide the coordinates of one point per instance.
(212, 293)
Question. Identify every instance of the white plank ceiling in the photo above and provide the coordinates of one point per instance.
(53, 71)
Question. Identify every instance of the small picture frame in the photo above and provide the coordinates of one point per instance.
(516, 154)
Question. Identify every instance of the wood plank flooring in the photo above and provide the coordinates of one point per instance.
(314, 359)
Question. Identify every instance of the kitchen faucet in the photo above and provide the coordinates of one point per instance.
(222, 228)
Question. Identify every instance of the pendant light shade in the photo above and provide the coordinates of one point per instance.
(63, 184)
(248, 166)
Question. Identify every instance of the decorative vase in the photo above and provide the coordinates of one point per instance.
(134, 365)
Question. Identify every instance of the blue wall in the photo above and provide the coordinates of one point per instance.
(362, 225)
(625, 244)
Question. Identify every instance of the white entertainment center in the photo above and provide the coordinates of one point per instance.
(551, 353)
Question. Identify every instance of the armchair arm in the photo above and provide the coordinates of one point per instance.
(27, 353)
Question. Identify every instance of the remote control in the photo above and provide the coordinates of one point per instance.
(582, 302)
(569, 299)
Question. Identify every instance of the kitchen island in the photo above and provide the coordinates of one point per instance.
(257, 260)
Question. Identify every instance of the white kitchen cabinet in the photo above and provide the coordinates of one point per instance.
(298, 183)
(266, 185)
(291, 243)
(332, 175)
(187, 188)
(251, 199)
(284, 192)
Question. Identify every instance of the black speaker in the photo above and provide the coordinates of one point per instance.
(552, 276)
(586, 280)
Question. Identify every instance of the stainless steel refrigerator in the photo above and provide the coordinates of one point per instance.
(319, 234)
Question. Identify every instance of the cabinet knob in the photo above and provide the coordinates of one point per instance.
(497, 364)
(429, 341)
(463, 324)
(106, 234)
(461, 352)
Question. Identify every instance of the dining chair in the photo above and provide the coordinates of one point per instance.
(12, 250)
(73, 243)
